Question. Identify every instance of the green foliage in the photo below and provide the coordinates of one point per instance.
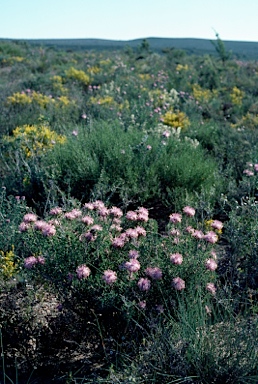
(128, 129)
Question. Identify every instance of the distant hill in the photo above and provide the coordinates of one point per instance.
(240, 49)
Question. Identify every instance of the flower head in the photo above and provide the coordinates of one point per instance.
(175, 218)
(189, 211)
(132, 266)
(30, 261)
(83, 271)
(154, 272)
(211, 288)
(211, 237)
(109, 276)
(178, 283)
(211, 265)
(176, 258)
(29, 218)
(144, 284)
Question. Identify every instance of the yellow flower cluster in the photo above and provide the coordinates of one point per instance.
(176, 119)
(102, 100)
(94, 70)
(58, 85)
(19, 98)
(236, 96)
(105, 62)
(181, 67)
(203, 95)
(250, 120)
(39, 99)
(144, 76)
(35, 139)
(13, 59)
(8, 266)
(78, 75)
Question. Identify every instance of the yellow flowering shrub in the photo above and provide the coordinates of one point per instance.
(144, 76)
(203, 95)
(176, 119)
(78, 75)
(250, 120)
(93, 70)
(58, 85)
(181, 67)
(35, 139)
(63, 101)
(42, 100)
(13, 59)
(236, 96)
(19, 98)
(102, 100)
(8, 265)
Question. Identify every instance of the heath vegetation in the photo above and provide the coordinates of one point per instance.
(128, 216)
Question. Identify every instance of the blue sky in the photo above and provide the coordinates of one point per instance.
(129, 19)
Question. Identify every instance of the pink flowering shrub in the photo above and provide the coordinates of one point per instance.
(121, 252)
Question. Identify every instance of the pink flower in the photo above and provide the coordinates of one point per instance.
(118, 242)
(29, 218)
(75, 133)
(49, 230)
(190, 229)
(174, 232)
(166, 134)
(84, 116)
(189, 211)
(88, 220)
(197, 234)
(74, 214)
(109, 276)
(211, 264)
(98, 204)
(149, 147)
(211, 288)
(216, 224)
(175, 218)
(55, 211)
(39, 225)
(30, 261)
(133, 254)
(211, 237)
(115, 212)
(89, 206)
(131, 215)
(131, 233)
(256, 167)
(23, 227)
(144, 284)
(141, 231)
(142, 304)
(41, 260)
(247, 172)
(176, 258)
(143, 211)
(103, 212)
(178, 283)
(154, 272)
(214, 255)
(142, 217)
(96, 228)
(132, 266)
(83, 271)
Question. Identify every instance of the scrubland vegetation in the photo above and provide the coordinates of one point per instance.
(128, 216)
